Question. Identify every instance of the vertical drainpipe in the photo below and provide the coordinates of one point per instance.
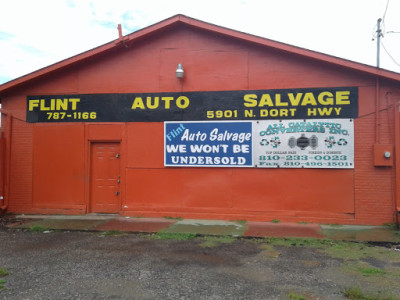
(397, 160)
(377, 123)
(377, 87)
(7, 164)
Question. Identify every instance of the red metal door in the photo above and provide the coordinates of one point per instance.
(105, 178)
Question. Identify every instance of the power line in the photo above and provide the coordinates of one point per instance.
(387, 52)
(380, 33)
(384, 15)
(383, 18)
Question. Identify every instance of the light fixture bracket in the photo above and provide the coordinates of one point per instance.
(179, 71)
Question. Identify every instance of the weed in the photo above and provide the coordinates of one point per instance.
(214, 241)
(296, 296)
(3, 272)
(372, 271)
(112, 233)
(241, 222)
(288, 242)
(2, 282)
(173, 236)
(336, 225)
(275, 221)
(356, 293)
(269, 251)
(275, 241)
(385, 279)
(390, 225)
(302, 222)
(173, 218)
(37, 228)
(336, 249)
(351, 250)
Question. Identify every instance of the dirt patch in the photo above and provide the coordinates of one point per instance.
(10, 221)
(89, 265)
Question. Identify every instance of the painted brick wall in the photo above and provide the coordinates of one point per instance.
(146, 67)
(373, 189)
(20, 198)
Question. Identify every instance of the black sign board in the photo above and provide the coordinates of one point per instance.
(305, 103)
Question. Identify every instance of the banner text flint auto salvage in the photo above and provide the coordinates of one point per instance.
(305, 103)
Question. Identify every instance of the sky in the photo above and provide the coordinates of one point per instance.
(35, 34)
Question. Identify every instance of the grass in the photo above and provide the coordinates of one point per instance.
(335, 225)
(351, 253)
(37, 228)
(241, 222)
(348, 252)
(296, 296)
(352, 250)
(112, 233)
(290, 242)
(173, 218)
(215, 241)
(372, 271)
(3, 273)
(390, 225)
(357, 260)
(269, 251)
(173, 236)
(383, 279)
(364, 269)
(357, 294)
(275, 221)
(345, 250)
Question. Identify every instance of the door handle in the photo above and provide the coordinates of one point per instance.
(116, 193)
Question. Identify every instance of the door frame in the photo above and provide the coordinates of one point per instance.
(88, 166)
(90, 203)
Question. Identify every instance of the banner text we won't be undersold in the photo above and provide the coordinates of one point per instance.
(208, 144)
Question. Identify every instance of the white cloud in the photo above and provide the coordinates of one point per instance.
(34, 34)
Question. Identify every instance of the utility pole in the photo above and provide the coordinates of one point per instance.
(378, 41)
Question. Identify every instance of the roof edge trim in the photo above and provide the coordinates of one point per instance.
(205, 26)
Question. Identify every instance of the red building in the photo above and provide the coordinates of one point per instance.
(255, 130)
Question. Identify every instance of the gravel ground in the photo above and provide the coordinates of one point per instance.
(87, 265)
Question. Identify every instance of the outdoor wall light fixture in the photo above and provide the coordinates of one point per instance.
(179, 71)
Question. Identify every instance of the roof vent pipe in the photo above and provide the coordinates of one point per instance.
(119, 32)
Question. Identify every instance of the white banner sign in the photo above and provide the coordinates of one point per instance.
(317, 143)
